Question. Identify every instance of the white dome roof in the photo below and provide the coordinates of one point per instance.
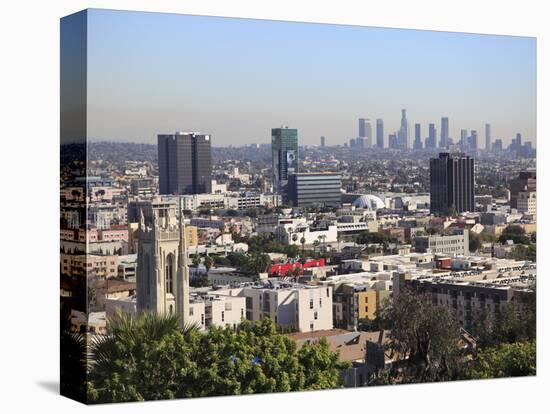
(369, 201)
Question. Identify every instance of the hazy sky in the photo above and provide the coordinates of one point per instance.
(151, 73)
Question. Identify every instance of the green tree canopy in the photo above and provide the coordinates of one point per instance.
(515, 233)
(150, 357)
(208, 263)
(505, 360)
(522, 252)
(196, 260)
(506, 325)
(425, 336)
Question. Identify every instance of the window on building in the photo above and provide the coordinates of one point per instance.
(315, 315)
(223, 316)
(191, 311)
(311, 304)
(328, 292)
(169, 273)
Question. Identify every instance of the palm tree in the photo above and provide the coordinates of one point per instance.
(324, 239)
(315, 244)
(73, 360)
(126, 337)
(196, 260)
(208, 263)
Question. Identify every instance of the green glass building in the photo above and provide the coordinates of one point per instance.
(284, 147)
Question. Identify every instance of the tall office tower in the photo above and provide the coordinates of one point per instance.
(473, 140)
(487, 137)
(284, 150)
(417, 139)
(403, 134)
(451, 183)
(368, 126)
(392, 141)
(464, 139)
(362, 128)
(322, 141)
(444, 132)
(432, 136)
(162, 277)
(365, 131)
(185, 163)
(518, 140)
(525, 182)
(380, 133)
(497, 145)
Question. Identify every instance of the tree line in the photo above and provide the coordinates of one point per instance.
(150, 357)
(429, 344)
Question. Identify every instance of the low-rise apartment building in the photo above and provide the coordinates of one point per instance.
(82, 265)
(471, 291)
(291, 306)
(453, 244)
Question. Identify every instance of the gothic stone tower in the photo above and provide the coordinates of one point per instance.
(162, 279)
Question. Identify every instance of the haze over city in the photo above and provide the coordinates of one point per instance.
(237, 78)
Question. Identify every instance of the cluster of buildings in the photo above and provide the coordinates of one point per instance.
(324, 296)
(403, 139)
(144, 236)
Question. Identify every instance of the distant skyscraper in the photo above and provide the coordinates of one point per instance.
(380, 133)
(518, 139)
(473, 140)
(464, 139)
(497, 145)
(417, 137)
(403, 134)
(323, 141)
(362, 129)
(451, 183)
(284, 150)
(432, 136)
(444, 132)
(365, 131)
(487, 137)
(392, 141)
(185, 163)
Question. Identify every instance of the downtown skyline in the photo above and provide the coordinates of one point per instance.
(179, 74)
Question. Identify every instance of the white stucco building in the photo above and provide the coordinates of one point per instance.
(293, 306)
